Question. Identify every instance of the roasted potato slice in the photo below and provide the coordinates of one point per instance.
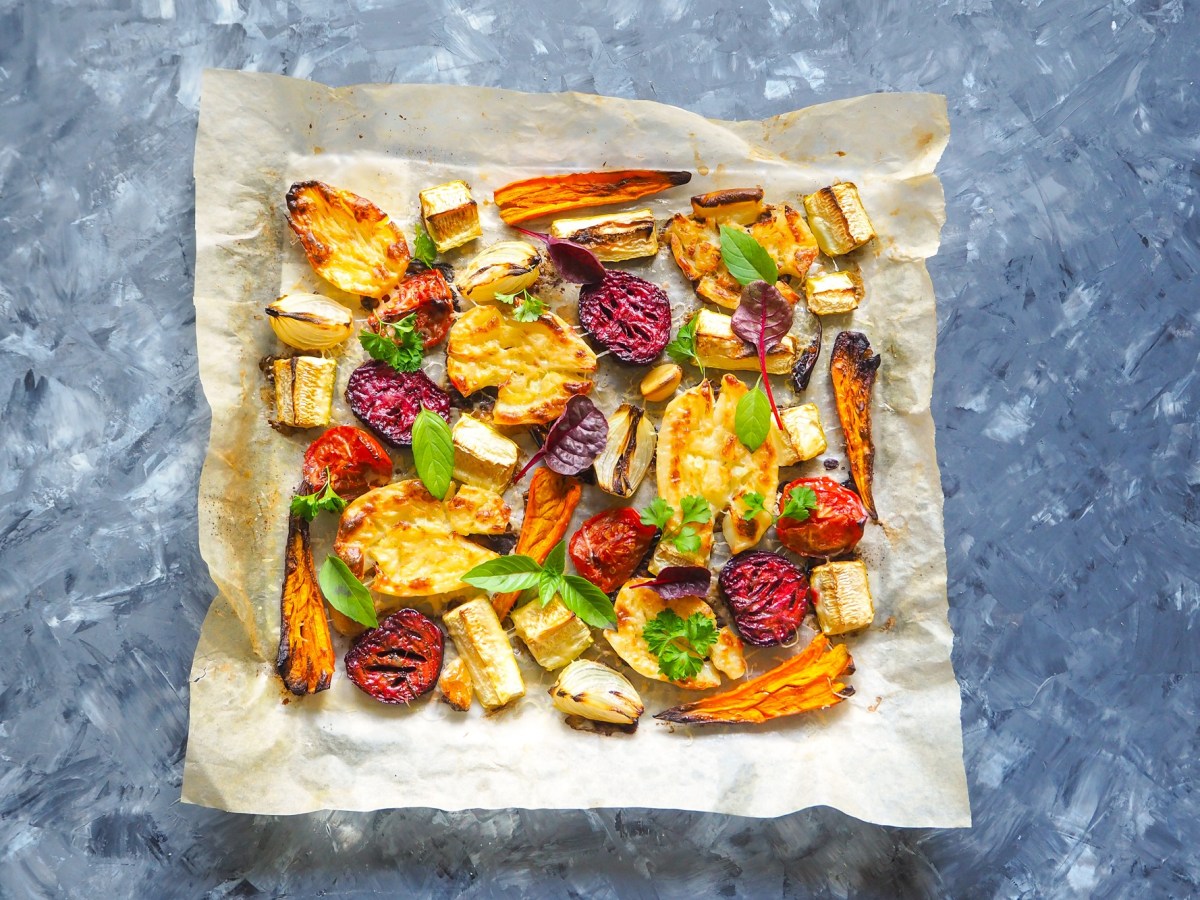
(305, 661)
(350, 241)
(536, 366)
(852, 368)
(415, 544)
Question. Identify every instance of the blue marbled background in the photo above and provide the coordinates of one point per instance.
(1066, 402)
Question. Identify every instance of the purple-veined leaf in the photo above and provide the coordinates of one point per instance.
(677, 582)
(575, 263)
(762, 318)
(574, 441)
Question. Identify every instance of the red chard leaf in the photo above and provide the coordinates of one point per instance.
(762, 319)
(574, 440)
(575, 263)
(677, 582)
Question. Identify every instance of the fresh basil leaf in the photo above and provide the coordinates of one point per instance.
(752, 419)
(556, 559)
(505, 573)
(658, 513)
(549, 586)
(346, 593)
(587, 601)
(745, 258)
(433, 452)
(694, 509)
(424, 248)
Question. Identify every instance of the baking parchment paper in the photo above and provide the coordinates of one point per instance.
(892, 754)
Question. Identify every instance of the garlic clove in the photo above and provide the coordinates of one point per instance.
(310, 321)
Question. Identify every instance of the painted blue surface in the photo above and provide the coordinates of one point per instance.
(1066, 403)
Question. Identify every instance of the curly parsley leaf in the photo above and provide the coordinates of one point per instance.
(683, 348)
(309, 506)
(680, 645)
(403, 351)
(799, 502)
(526, 307)
(424, 248)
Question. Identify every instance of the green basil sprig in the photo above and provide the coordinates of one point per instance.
(433, 452)
(346, 593)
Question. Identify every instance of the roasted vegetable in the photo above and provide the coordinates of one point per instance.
(808, 331)
(832, 526)
(415, 544)
(398, 661)
(304, 390)
(613, 237)
(455, 685)
(767, 594)
(507, 267)
(727, 654)
(718, 347)
(548, 509)
(305, 660)
(608, 547)
(310, 321)
(838, 219)
(843, 596)
(596, 692)
(696, 245)
(626, 457)
(389, 401)
(354, 461)
(538, 366)
(830, 293)
(627, 315)
(739, 206)
(807, 681)
(428, 295)
(637, 605)
(350, 241)
(852, 368)
(451, 215)
(484, 648)
(482, 456)
(803, 436)
(699, 454)
(553, 634)
(534, 198)
(661, 382)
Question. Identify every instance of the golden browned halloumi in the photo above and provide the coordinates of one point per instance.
(699, 454)
(635, 607)
(696, 245)
(536, 366)
(415, 544)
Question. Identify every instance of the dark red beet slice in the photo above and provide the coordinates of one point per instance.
(398, 661)
(389, 401)
(628, 315)
(767, 594)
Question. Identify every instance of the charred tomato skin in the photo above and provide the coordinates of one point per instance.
(627, 315)
(427, 294)
(834, 527)
(356, 462)
(608, 547)
(398, 661)
(767, 594)
(389, 401)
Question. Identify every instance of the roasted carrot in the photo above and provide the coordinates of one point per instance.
(852, 369)
(547, 195)
(305, 660)
(548, 509)
(806, 682)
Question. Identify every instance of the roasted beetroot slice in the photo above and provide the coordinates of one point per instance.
(628, 315)
(398, 661)
(767, 594)
(389, 401)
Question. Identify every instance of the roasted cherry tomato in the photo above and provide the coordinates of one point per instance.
(608, 547)
(398, 661)
(356, 462)
(834, 526)
(429, 296)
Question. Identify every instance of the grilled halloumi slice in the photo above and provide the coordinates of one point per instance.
(415, 544)
(696, 244)
(699, 454)
(536, 366)
(635, 607)
(304, 390)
